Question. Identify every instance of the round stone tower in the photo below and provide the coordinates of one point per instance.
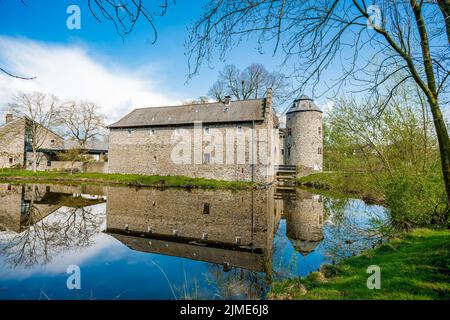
(304, 136)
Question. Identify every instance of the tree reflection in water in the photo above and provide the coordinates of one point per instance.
(47, 234)
(351, 226)
(236, 283)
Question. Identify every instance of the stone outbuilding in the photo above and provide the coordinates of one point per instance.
(16, 146)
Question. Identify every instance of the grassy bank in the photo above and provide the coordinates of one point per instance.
(415, 266)
(343, 184)
(121, 179)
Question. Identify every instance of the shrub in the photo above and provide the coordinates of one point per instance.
(415, 201)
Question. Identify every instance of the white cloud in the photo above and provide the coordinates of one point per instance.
(71, 72)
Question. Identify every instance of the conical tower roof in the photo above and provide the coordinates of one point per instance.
(302, 104)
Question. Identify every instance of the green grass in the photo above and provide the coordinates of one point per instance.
(122, 179)
(343, 184)
(415, 266)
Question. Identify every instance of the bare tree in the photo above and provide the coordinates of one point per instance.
(40, 112)
(199, 100)
(364, 45)
(125, 14)
(250, 83)
(82, 120)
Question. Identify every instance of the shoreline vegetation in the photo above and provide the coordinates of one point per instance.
(342, 184)
(414, 265)
(131, 180)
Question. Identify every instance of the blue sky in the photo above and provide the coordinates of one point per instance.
(161, 68)
(96, 64)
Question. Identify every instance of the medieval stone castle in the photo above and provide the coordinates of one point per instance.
(230, 140)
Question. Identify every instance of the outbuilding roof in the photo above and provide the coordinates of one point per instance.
(216, 112)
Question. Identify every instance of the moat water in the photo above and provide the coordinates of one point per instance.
(139, 243)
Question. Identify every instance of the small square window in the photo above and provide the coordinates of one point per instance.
(206, 130)
(205, 236)
(239, 129)
(238, 241)
(207, 158)
(11, 160)
(319, 130)
(129, 132)
(206, 208)
(152, 132)
(319, 150)
(52, 142)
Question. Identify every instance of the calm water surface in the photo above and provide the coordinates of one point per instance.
(170, 244)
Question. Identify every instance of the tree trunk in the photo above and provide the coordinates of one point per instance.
(444, 5)
(431, 92)
(34, 160)
(444, 144)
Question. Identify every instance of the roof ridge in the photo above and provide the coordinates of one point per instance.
(196, 104)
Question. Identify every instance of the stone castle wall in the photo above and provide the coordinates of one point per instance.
(159, 152)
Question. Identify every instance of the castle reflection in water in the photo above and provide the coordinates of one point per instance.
(226, 227)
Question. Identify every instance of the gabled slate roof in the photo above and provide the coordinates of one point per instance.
(216, 112)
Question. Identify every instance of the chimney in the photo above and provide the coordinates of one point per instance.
(227, 100)
(9, 117)
(268, 101)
